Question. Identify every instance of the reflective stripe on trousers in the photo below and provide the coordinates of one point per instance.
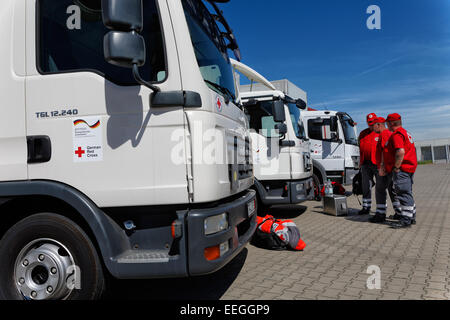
(403, 182)
(368, 173)
(383, 186)
(381, 209)
(367, 203)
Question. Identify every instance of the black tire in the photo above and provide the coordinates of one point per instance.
(263, 210)
(66, 232)
(317, 195)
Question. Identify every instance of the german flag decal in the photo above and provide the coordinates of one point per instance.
(94, 126)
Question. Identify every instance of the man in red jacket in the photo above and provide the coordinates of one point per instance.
(368, 140)
(401, 160)
(384, 180)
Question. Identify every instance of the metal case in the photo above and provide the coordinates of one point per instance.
(335, 205)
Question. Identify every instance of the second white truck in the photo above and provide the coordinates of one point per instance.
(332, 136)
(280, 148)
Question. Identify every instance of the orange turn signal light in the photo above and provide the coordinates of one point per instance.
(212, 253)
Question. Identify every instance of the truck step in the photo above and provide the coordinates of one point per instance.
(144, 256)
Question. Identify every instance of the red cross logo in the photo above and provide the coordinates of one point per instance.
(219, 104)
(80, 152)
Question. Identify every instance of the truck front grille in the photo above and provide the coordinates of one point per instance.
(241, 161)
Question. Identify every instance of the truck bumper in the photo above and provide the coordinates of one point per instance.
(302, 190)
(242, 225)
(184, 256)
(285, 192)
(350, 173)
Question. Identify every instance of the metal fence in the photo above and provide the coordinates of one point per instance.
(437, 151)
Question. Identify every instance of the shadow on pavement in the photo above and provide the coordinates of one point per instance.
(353, 216)
(287, 211)
(210, 287)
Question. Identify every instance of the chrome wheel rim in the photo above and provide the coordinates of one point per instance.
(43, 270)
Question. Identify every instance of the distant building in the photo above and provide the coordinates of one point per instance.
(437, 150)
(285, 86)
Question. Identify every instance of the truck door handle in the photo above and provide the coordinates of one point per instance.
(287, 143)
(39, 149)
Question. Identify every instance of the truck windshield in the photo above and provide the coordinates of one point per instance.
(299, 129)
(210, 49)
(348, 127)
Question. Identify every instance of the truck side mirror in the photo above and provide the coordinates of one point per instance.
(334, 124)
(278, 111)
(335, 138)
(124, 46)
(124, 49)
(123, 15)
(282, 128)
(300, 104)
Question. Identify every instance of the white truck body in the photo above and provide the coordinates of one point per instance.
(282, 166)
(94, 140)
(335, 160)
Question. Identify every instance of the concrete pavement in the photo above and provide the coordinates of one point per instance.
(414, 263)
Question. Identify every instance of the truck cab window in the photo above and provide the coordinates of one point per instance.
(210, 49)
(315, 131)
(349, 130)
(261, 119)
(70, 39)
(299, 129)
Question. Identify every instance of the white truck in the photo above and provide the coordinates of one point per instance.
(110, 111)
(281, 151)
(334, 145)
(332, 136)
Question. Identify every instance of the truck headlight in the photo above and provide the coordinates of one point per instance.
(216, 224)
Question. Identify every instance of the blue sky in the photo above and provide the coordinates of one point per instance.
(325, 47)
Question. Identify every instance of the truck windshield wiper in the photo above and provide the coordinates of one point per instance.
(222, 89)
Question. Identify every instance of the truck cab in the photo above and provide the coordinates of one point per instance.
(121, 145)
(280, 148)
(334, 145)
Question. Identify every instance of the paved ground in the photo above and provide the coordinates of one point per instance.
(414, 263)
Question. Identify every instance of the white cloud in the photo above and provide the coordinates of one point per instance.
(441, 109)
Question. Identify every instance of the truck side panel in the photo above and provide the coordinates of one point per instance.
(136, 167)
(13, 144)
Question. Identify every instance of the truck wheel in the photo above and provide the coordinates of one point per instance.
(48, 257)
(263, 210)
(317, 195)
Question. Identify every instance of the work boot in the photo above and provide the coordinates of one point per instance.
(398, 217)
(402, 224)
(378, 218)
(364, 211)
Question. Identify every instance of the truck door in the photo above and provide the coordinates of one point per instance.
(13, 142)
(106, 139)
(270, 161)
(297, 134)
(327, 144)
